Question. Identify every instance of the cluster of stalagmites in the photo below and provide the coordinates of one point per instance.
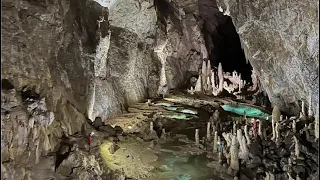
(285, 148)
(213, 82)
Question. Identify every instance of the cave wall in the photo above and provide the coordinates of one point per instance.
(128, 71)
(48, 50)
(66, 63)
(281, 41)
(181, 41)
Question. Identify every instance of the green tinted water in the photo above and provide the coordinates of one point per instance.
(250, 111)
(186, 167)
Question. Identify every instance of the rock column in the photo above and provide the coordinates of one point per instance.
(197, 137)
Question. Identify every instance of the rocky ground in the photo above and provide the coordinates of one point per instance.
(156, 139)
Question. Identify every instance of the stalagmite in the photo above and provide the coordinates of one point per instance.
(234, 128)
(151, 126)
(277, 132)
(197, 137)
(243, 154)
(208, 70)
(234, 161)
(208, 132)
(276, 114)
(204, 75)
(228, 138)
(198, 87)
(191, 90)
(260, 130)
(298, 177)
(300, 115)
(269, 176)
(310, 113)
(296, 147)
(245, 117)
(289, 176)
(220, 75)
(294, 126)
(215, 141)
(316, 124)
(303, 108)
(273, 130)
(220, 150)
(163, 134)
(246, 134)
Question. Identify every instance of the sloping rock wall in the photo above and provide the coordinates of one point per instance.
(281, 41)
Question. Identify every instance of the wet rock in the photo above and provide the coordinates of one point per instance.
(254, 162)
(298, 169)
(113, 148)
(64, 149)
(118, 129)
(98, 122)
(281, 152)
(255, 148)
(276, 75)
(108, 129)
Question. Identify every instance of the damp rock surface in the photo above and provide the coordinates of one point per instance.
(283, 52)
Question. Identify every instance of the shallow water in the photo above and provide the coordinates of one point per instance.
(184, 167)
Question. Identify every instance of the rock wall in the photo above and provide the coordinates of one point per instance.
(62, 63)
(128, 70)
(47, 70)
(179, 41)
(281, 41)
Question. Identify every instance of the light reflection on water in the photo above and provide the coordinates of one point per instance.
(186, 167)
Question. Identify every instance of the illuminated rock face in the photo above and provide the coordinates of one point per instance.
(284, 53)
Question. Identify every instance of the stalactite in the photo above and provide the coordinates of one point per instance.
(208, 132)
(246, 134)
(197, 137)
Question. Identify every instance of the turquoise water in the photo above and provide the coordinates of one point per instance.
(188, 167)
(250, 111)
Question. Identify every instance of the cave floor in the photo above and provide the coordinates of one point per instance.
(145, 154)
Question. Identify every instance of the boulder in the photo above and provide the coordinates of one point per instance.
(98, 122)
(108, 129)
